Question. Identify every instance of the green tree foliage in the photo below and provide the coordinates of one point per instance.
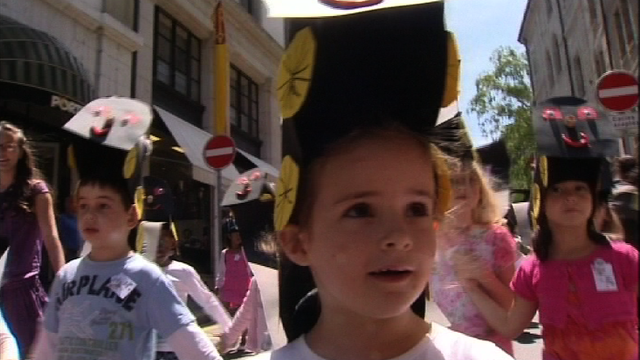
(503, 105)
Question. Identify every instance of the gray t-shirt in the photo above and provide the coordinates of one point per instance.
(109, 310)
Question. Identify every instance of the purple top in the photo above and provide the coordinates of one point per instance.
(25, 241)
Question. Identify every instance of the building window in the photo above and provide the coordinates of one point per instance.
(557, 57)
(177, 56)
(244, 99)
(622, 43)
(252, 7)
(124, 11)
(579, 79)
(629, 30)
(549, 71)
(593, 13)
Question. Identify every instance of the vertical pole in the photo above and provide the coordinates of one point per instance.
(217, 225)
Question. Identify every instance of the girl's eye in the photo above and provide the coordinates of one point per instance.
(418, 210)
(359, 211)
(82, 206)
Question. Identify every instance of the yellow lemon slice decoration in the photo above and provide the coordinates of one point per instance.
(139, 199)
(544, 172)
(296, 70)
(130, 163)
(287, 189)
(452, 80)
(535, 200)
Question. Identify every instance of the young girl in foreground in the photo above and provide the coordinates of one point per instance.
(361, 189)
(474, 231)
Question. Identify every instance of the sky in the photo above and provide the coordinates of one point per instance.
(481, 26)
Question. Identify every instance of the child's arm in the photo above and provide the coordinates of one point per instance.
(8, 345)
(209, 302)
(190, 342)
(221, 270)
(497, 287)
(245, 314)
(508, 323)
(46, 345)
(49, 230)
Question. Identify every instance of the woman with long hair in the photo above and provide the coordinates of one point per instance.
(27, 221)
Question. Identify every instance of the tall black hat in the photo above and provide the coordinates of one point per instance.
(574, 138)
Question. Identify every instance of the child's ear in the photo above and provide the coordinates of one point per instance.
(295, 243)
(132, 217)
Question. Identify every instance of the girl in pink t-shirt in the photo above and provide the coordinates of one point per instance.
(583, 286)
(472, 236)
(234, 273)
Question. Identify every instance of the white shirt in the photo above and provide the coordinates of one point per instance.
(440, 344)
(187, 282)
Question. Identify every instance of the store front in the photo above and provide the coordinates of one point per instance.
(42, 85)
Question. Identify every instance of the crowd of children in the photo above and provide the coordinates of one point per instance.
(369, 210)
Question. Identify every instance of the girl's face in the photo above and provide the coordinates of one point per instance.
(236, 240)
(10, 151)
(569, 203)
(166, 247)
(466, 190)
(370, 240)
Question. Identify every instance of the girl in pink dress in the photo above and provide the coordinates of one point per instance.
(472, 232)
(234, 273)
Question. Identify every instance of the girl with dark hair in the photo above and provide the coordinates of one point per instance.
(363, 186)
(583, 286)
(27, 218)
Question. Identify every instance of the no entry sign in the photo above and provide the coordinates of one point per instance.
(618, 91)
(219, 152)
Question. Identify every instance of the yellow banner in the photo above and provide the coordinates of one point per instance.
(221, 75)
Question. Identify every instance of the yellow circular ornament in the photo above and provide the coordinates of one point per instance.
(130, 163)
(286, 191)
(139, 199)
(535, 200)
(452, 80)
(296, 70)
(71, 158)
(544, 172)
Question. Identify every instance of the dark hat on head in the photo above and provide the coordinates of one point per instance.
(158, 211)
(387, 65)
(574, 138)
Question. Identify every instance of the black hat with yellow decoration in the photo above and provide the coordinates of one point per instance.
(574, 138)
(158, 208)
(111, 145)
(355, 65)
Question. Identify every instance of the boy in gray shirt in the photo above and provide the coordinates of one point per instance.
(108, 304)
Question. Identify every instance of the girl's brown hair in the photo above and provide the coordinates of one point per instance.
(27, 171)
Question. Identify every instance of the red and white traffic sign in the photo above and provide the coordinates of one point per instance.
(219, 152)
(618, 91)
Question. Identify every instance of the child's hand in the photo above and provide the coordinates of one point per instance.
(468, 266)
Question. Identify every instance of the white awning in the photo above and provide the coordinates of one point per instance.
(268, 168)
(192, 140)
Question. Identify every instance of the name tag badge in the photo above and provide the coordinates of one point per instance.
(122, 285)
(236, 257)
(603, 275)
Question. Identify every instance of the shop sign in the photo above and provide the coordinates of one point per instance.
(64, 104)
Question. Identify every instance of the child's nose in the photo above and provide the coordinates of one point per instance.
(397, 238)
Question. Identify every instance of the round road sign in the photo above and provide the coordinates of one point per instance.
(618, 91)
(219, 152)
